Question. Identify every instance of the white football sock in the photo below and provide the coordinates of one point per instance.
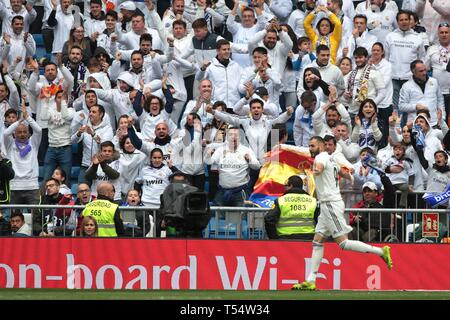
(359, 246)
(316, 259)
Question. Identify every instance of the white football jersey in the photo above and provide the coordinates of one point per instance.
(327, 184)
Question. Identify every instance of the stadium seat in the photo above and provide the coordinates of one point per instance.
(75, 173)
(41, 173)
(410, 229)
(39, 39)
(74, 148)
(227, 228)
(74, 188)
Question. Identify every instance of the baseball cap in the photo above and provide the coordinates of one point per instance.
(369, 184)
(261, 91)
(127, 5)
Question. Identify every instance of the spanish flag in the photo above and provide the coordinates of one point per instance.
(281, 163)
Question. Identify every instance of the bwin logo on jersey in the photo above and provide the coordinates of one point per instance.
(153, 182)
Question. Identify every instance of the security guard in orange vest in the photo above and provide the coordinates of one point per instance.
(294, 215)
(106, 212)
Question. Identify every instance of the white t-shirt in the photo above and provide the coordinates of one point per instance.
(327, 184)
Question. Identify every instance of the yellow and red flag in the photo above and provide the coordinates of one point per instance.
(281, 163)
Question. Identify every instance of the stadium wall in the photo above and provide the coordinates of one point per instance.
(212, 264)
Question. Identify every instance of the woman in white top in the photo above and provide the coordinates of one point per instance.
(131, 161)
(154, 178)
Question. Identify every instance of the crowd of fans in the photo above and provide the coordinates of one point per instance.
(206, 86)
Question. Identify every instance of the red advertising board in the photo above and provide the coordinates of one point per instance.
(212, 264)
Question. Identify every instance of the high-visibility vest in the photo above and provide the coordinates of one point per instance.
(103, 211)
(296, 214)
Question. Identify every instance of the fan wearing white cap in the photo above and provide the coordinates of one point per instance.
(119, 97)
(126, 11)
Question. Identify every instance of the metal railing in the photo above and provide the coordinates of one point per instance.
(394, 225)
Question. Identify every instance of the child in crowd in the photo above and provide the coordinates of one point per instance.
(400, 172)
(60, 175)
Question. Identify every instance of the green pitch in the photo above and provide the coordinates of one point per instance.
(64, 294)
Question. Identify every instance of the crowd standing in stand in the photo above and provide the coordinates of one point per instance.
(143, 89)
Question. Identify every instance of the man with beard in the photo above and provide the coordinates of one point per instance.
(334, 112)
(363, 83)
(17, 44)
(331, 221)
(78, 71)
(277, 50)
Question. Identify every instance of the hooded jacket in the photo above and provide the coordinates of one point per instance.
(432, 144)
(119, 100)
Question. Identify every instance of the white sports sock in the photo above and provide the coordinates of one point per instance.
(316, 259)
(359, 246)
